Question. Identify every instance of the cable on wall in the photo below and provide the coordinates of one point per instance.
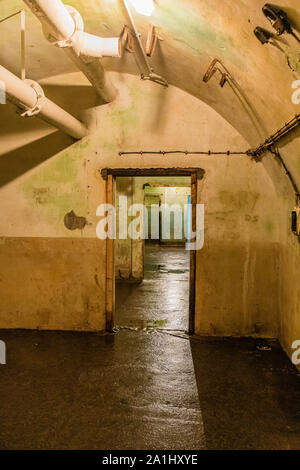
(276, 137)
(276, 153)
(182, 152)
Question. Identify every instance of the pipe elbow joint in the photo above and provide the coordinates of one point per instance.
(84, 43)
(96, 47)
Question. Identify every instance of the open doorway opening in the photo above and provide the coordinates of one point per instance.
(116, 245)
(152, 265)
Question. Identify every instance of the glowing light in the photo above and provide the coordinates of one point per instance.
(144, 7)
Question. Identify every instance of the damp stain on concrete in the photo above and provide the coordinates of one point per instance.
(97, 280)
(293, 58)
(121, 121)
(194, 31)
(240, 200)
(57, 187)
(125, 118)
(41, 195)
(74, 222)
(269, 226)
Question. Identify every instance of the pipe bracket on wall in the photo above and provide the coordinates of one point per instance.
(295, 221)
(150, 75)
(127, 37)
(68, 41)
(152, 41)
(153, 77)
(212, 69)
(40, 100)
(30, 100)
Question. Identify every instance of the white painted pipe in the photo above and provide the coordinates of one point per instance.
(94, 46)
(54, 15)
(63, 26)
(28, 96)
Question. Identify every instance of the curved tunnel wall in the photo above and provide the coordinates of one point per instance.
(192, 38)
(63, 271)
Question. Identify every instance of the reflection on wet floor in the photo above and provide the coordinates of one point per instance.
(161, 300)
(147, 389)
(131, 390)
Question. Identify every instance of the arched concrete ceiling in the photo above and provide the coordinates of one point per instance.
(194, 32)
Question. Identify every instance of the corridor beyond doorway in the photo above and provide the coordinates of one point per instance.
(152, 268)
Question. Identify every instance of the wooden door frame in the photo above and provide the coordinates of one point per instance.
(110, 175)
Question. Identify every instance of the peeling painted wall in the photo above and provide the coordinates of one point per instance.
(53, 263)
(248, 239)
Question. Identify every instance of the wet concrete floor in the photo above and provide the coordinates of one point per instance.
(162, 299)
(147, 388)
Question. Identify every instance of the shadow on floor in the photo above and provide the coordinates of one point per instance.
(84, 391)
(249, 398)
(138, 390)
(147, 387)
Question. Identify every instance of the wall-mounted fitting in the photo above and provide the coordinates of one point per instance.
(64, 27)
(150, 74)
(263, 35)
(127, 39)
(212, 69)
(152, 40)
(281, 23)
(278, 18)
(30, 100)
(153, 77)
(285, 130)
(296, 221)
(27, 111)
(226, 77)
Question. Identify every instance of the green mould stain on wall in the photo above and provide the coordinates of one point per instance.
(58, 186)
(105, 12)
(121, 120)
(194, 31)
(128, 117)
(239, 200)
(269, 226)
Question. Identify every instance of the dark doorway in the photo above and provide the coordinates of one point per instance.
(110, 175)
(152, 273)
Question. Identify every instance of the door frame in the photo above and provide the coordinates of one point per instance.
(110, 175)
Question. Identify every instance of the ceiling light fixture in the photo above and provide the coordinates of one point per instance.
(263, 35)
(144, 7)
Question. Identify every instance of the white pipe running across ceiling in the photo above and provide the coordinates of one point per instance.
(29, 97)
(64, 27)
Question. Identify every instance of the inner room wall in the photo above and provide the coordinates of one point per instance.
(67, 289)
(176, 200)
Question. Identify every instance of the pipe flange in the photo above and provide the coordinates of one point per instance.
(40, 100)
(78, 28)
